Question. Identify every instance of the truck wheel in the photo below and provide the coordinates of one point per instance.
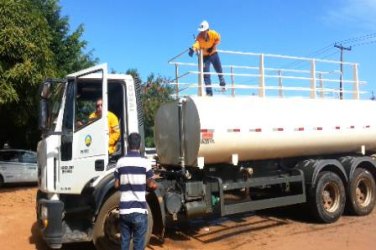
(106, 233)
(362, 192)
(328, 199)
(1, 181)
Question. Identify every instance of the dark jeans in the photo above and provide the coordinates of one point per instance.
(133, 225)
(212, 59)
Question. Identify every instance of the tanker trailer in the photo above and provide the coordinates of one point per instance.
(224, 155)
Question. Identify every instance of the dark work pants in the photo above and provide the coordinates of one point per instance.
(212, 59)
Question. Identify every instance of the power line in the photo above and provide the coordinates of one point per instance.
(323, 53)
(364, 43)
(330, 55)
(359, 38)
(320, 52)
(316, 53)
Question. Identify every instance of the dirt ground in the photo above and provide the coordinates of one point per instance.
(274, 229)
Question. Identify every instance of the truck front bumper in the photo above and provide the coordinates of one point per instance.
(50, 214)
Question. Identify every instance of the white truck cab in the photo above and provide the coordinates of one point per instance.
(73, 154)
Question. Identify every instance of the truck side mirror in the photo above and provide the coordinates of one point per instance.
(43, 114)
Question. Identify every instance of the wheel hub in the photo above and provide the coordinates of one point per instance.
(330, 197)
(363, 192)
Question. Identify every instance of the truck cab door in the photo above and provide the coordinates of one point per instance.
(84, 150)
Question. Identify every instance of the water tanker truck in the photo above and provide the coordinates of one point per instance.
(219, 155)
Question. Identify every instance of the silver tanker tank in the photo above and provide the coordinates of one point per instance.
(220, 129)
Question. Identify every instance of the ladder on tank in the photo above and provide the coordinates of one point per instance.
(264, 75)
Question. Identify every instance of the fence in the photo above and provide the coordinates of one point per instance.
(270, 75)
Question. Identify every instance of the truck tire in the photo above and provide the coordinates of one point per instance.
(106, 233)
(1, 181)
(361, 196)
(328, 199)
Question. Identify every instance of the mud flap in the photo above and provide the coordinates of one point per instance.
(52, 231)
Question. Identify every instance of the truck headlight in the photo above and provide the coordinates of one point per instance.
(44, 216)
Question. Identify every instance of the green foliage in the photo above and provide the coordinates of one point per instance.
(67, 48)
(84, 109)
(154, 92)
(25, 56)
(35, 44)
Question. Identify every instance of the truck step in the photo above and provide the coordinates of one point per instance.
(245, 205)
(262, 204)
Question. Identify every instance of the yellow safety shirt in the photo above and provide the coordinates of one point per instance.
(206, 41)
(114, 130)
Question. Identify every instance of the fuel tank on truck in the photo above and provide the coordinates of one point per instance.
(254, 128)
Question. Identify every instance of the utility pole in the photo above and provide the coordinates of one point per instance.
(342, 48)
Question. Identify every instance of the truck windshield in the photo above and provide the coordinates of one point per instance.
(54, 99)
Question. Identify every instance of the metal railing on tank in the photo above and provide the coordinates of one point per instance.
(263, 75)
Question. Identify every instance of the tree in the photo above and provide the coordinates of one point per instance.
(67, 48)
(25, 55)
(34, 45)
(373, 98)
(154, 92)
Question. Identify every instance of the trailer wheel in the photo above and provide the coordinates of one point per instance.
(106, 233)
(328, 199)
(362, 192)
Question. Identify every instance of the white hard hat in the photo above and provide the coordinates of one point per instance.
(204, 25)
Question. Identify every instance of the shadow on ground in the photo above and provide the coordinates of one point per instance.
(36, 239)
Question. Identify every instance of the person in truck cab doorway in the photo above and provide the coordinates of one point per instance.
(113, 125)
(133, 175)
(207, 41)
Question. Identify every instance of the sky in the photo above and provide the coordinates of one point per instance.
(145, 34)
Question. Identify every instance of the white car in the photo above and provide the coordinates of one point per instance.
(18, 166)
